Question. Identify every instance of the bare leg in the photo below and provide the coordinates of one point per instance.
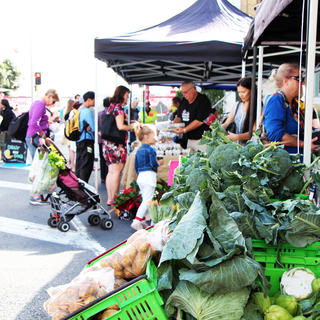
(72, 156)
(113, 179)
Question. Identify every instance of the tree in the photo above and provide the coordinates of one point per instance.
(8, 75)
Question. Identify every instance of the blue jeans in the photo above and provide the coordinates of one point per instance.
(30, 145)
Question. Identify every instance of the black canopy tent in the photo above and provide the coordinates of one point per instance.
(203, 43)
(277, 27)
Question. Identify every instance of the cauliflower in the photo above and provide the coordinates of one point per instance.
(297, 282)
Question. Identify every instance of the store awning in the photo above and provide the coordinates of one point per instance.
(277, 27)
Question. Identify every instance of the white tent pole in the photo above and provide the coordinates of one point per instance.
(243, 70)
(311, 49)
(259, 90)
(96, 145)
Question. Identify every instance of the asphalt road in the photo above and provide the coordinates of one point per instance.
(35, 257)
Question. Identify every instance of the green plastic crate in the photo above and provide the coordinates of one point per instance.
(137, 300)
(276, 260)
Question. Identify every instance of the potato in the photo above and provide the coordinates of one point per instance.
(129, 256)
(89, 299)
(138, 234)
(128, 274)
(119, 282)
(114, 307)
(116, 260)
(139, 265)
(106, 263)
(141, 245)
(73, 306)
(107, 313)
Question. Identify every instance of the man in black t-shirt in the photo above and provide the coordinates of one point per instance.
(194, 109)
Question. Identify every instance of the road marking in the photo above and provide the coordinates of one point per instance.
(54, 235)
(79, 239)
(15, 185)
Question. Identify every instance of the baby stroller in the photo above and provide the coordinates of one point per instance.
(73, 198)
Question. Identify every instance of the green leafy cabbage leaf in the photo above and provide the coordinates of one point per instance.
(203, 306)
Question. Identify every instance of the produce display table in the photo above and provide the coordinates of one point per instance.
(129, 172)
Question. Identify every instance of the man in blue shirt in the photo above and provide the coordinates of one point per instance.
(85, 145)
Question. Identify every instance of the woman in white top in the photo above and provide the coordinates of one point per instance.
(240, 112)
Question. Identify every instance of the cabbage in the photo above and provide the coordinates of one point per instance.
(288, 302)
(203, 306)
(299, 318)
(315, 285)
(297, 282)
(277, 313)
(263, 302)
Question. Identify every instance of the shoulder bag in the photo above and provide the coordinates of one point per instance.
(110, 131)
(232, 127)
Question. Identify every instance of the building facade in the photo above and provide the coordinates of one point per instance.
(248, 6)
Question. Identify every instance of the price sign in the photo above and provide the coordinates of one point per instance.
(15, 151)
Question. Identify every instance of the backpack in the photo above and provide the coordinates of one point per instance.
(72, 128)
(18, 127)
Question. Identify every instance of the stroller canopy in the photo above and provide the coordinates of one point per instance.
(203, 43)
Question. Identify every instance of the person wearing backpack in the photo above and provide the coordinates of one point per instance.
(85, 145)
(37, 127)
(6, 111)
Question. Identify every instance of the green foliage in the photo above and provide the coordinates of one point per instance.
(214, 95)
(8, 75)
(225, 156)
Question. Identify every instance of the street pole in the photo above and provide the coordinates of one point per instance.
(253, 90)
(311, 51)
(96, 145)
(259, 90)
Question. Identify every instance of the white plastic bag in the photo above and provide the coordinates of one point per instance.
(46, 177)
(79, 292)
(35, 166)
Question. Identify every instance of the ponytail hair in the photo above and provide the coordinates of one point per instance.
(142, 130)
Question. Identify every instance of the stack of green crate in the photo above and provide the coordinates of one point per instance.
(278, 259)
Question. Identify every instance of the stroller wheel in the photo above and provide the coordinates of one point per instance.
(106, 224)
(94, 219)
(52, 222)
(64, 226)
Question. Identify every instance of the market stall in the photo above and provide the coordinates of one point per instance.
(233, 240)
(286, 31)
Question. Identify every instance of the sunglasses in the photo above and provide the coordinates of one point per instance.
(297, 78)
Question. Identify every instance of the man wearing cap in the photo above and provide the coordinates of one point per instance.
(193, 111)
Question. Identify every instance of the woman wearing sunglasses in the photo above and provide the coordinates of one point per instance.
(280, 120)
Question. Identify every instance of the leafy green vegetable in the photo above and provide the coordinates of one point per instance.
(233, 274)
(225, 157)
(203, 306)
(261, 301)
(222, 226)
(191, 225)
(304, 229)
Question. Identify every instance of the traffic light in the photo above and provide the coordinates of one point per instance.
(37, 78)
